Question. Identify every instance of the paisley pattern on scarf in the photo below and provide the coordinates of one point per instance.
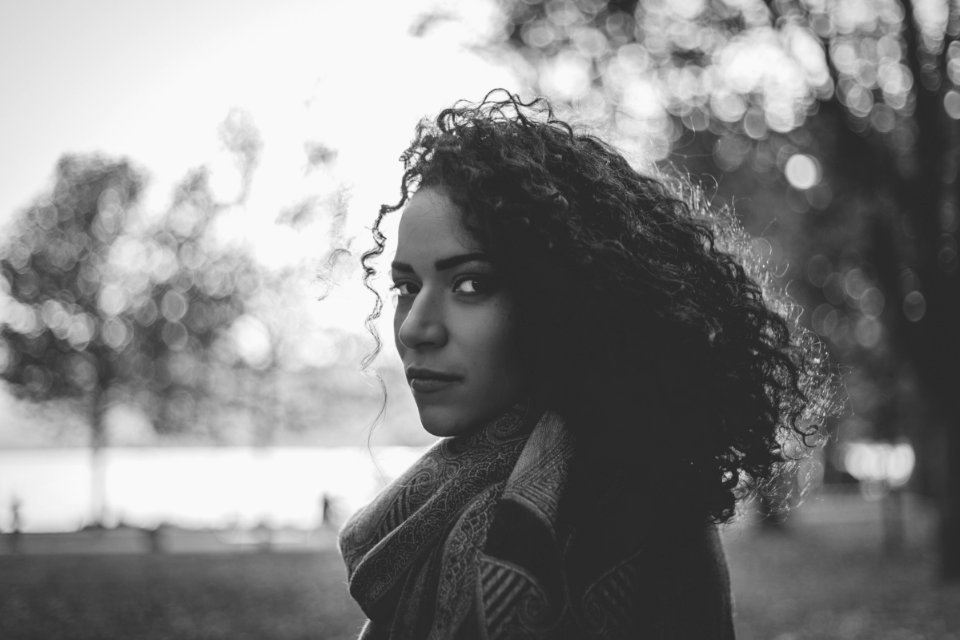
(384, 541)
(471, 542)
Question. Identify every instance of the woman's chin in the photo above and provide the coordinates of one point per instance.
(445, 423)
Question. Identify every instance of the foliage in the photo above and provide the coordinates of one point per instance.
(188, 293)
(103, 303)
(58, 339)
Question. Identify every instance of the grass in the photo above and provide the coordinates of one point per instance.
(282, 596)
(824, 584)
(812, 583)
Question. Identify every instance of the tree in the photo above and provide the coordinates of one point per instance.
(193, 292)
(62, 337)
(835, 125)
(103, 304)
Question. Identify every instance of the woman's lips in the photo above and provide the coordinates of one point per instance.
(430, 385)
(428, 381)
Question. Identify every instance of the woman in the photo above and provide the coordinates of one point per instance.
(607, 382)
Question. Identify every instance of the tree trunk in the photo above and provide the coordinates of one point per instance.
(950, 510)
(933, 339)
(98, 470)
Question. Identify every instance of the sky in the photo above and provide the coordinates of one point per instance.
(151, 81)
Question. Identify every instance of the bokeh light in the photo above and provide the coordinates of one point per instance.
(802, 171)
(880, 462)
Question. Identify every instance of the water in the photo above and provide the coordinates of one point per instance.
(194, 487)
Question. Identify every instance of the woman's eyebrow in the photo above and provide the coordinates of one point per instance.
(443, 263)
(448, 263)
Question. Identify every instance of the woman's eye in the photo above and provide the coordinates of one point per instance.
(474, 286)
(404, 289)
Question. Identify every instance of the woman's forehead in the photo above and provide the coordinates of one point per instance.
(432, 226)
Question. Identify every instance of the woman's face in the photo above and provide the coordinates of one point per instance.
(454, 325)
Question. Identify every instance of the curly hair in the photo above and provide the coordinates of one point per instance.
(646, 334)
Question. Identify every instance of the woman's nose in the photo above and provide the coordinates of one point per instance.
(423, 325)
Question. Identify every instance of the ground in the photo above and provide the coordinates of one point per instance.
(281, 596)
(822, 578)
(820, 586)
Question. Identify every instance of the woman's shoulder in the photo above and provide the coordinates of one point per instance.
(602, 559)
(615, 579)
(667, 576)
(629, 540)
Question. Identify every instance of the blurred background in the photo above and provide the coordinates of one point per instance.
(186, 191)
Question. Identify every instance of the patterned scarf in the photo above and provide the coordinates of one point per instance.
(468, 544)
